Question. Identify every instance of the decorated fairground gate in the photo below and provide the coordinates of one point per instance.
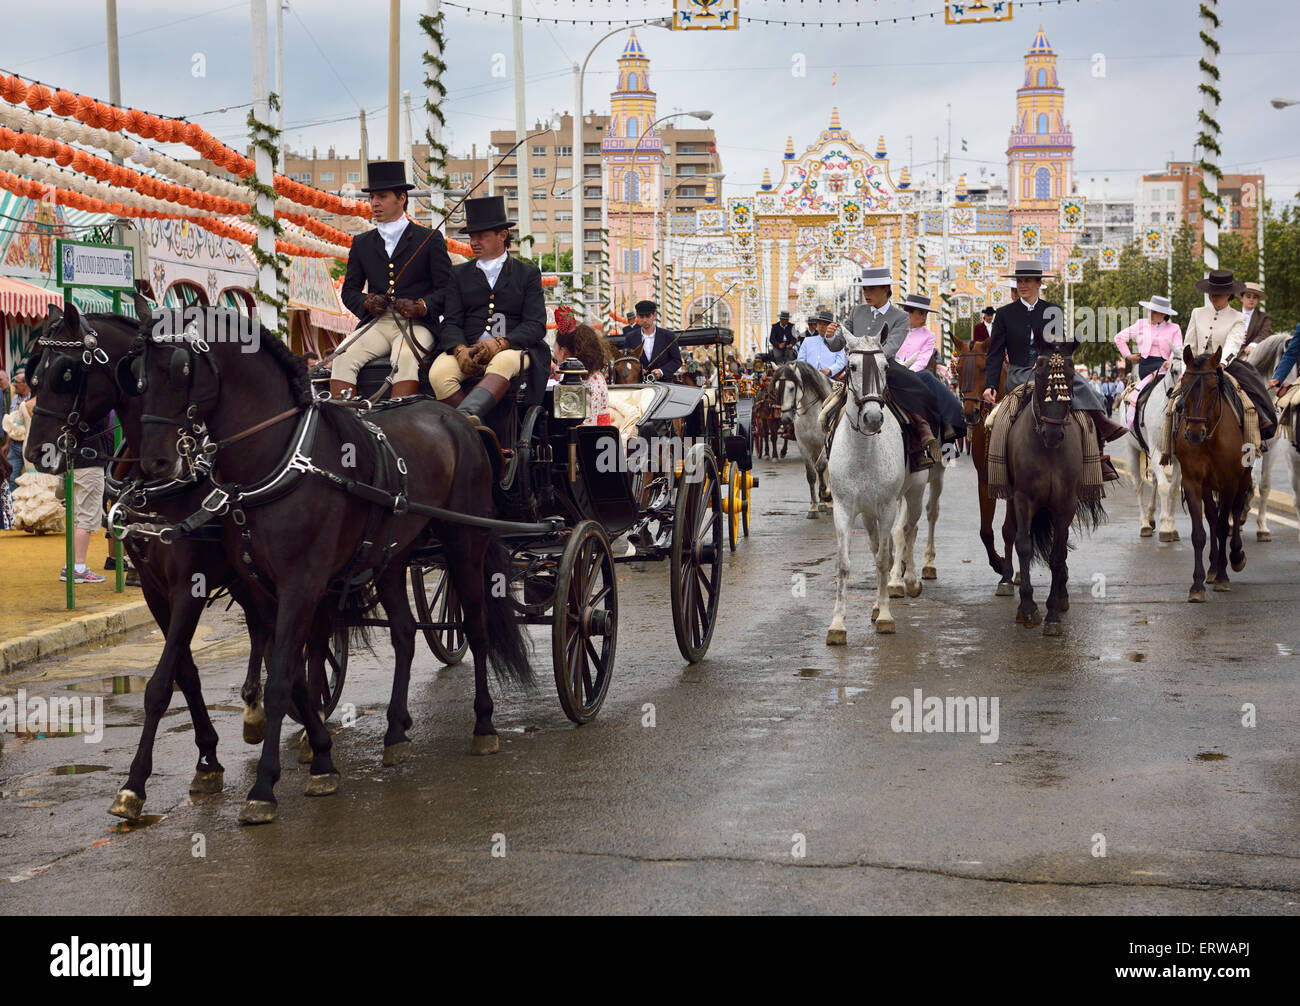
(803, 240)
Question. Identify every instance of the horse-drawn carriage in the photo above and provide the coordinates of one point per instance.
(717, 422)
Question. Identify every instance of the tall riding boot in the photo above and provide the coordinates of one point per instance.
(341, 389)
(402, 389)
(1107, 429)
(483, 398)
(919, 445)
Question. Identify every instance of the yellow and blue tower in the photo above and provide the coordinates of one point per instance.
(1040, 151)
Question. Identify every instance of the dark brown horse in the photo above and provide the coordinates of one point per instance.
(971, 358)
(337, 520)
(1045, 463)
(767, 422)
(627, 370)
(1209, 445)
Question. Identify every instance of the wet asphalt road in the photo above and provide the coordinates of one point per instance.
(771, 780)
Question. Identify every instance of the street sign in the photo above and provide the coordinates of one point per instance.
(103, 267)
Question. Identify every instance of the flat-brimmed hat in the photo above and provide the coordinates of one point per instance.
(486, 213)
(783, 316)
(876, 276)
(916, 302)
(1028, 269)
(386, 176)
(821, 315)
(1254, 288)
(1220, 281)
(1158, 303)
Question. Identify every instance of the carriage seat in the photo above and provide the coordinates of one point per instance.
(627, 404)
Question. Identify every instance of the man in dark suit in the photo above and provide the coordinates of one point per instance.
(495, 317)
(981, 332)
(783, 340)
(1029, 327)
(630, 327)
(659, 352)
(399, 270)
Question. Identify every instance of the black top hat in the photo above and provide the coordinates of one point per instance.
(486, 213)
(1221, 281)
(386, 176)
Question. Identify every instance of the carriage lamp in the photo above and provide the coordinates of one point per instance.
(572, 400)
(730, 394)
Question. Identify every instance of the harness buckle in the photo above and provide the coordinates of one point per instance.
(301, 463)
(401, 506)
(217, 502)
(238, 516)
(401, 465)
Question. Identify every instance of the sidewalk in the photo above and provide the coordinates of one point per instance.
(34, 619)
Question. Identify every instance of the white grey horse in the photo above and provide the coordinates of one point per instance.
(903, 575)
(1148, 469)
(868, 476)
(801, 388)
(1264, 356)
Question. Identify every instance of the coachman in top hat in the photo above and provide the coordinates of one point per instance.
(495, 316)
(399, 270)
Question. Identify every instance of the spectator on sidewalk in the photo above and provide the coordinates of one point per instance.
(17, 417)
(88, 501)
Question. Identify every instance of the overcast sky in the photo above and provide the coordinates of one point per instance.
(894, 79)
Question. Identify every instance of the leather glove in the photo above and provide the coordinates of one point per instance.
(465, 359)
(409, 308)
(376, 304)
(484, 351)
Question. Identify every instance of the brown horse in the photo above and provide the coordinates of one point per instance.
(1209, 444)
(767, 422)
(971, 358)
(1045, 462)
(627, 369)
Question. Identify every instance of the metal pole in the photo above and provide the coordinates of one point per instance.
(365, 147)
(394, 67)
(279, 63)
(1259, 217)
(114, 86)
(524, 179)
(408, 152)
(579, 251)
(268, 315)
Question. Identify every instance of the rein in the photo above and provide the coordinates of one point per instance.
(1187, 418)
(872, 385)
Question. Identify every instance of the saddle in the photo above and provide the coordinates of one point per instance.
(1242, 407)
(1000, 423)
(1140, 408)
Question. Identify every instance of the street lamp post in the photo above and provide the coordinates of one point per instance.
(703, 116)
(579, 72)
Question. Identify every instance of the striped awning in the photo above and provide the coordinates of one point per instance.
(333, 322)
(26, 300)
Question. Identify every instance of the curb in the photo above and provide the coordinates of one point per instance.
(78, 631)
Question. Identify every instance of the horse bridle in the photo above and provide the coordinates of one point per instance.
(1194, 380)
(870, 387)
(72, 423)
(1058, 390)
(981, 404)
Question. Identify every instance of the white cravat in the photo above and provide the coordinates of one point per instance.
(492, 268)
(1028, 306)
(1248, 314)
(391, 232)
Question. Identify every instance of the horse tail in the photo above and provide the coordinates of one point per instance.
(1088, 514)
(507, 644)
(1041, 531)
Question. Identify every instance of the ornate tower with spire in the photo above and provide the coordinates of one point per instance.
(1040, 152)
(633, 175)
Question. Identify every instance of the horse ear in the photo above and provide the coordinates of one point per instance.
(1187, 356)
(52, 317)
(143, 310)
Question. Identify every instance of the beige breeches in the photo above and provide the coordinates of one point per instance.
(383, 339)
(445, 375)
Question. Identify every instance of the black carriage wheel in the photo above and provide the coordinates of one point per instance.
(436, 600)
(326, 671)
(695, 572)
(584, 623)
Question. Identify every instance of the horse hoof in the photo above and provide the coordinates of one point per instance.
(1052, 629)
(323, 785)
(929, 573)
(1222, 586)
(1209, 576)
(1146, 532)
(395, 754)
(1196, 595)
(885, 626)
(207, 783)
(914, 589)
(875, 612)
(812, 514)
(254, 724)
(1238, 564)
(1166, 536)
(1031, 619)
(1263, 536)
(837, 637)
(895, 591)
(127, 805)
(304, 749)
(1016, 580)
(257, 812)
(1177, 536)
(485, 744)
(1004, 590)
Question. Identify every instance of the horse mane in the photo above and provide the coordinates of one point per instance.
(1268, 352)
(294, 369)
(810, 378)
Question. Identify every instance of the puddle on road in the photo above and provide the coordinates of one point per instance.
(809, 672)
(146, 821)
(1210, 756)
(77, 769)
(118, 684)
(1134, 657)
